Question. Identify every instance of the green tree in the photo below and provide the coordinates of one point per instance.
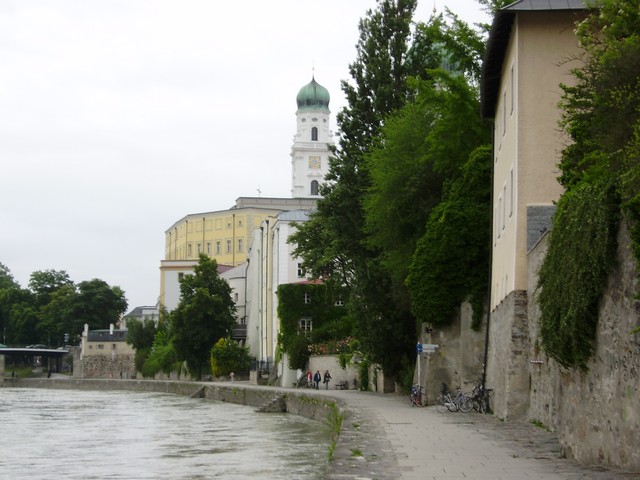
(451, 261)
(205, 314)
(96, 304)
(8, 289)
(140, 333)
(333, 242)
(44, 283)
(162, 356)
(424, 145)
(56, 315)
(333, 239)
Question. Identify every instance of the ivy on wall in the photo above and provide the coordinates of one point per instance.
(324, 307)
(573, 276)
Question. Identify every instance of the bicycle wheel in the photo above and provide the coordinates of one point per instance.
(412, 400)
(421, 399)
(465, 404)
(481, 405)
(440, 404)
(450, 403)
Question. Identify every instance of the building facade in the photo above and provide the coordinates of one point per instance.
(249, 241)
(105, 354)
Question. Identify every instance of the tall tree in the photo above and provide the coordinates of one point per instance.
(333, 242)
(205, 314)
(44, 283)
(389, 171)
(8, 288)
(96, 304)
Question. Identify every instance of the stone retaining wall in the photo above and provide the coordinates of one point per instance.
(596, 413)
(296, 402)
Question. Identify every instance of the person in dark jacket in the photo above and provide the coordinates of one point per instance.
(327, 377)
(316, 379)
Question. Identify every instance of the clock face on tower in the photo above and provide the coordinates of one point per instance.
(314, 162)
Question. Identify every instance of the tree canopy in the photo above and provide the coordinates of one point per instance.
(54, 305)
(204, 315)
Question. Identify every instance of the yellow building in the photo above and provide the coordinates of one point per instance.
(225, 235)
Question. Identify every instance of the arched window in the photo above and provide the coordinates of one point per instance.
(314, 134)
(314, 187)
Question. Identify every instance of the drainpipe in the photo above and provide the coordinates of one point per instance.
(490, 276)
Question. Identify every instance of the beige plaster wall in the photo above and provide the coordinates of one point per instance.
(527, 137)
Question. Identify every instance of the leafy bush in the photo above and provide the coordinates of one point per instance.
(228, 356)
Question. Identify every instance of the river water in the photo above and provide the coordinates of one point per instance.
(70, 434)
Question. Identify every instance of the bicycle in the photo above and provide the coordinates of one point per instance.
(460, 402)
(480, 397)
(417, 396)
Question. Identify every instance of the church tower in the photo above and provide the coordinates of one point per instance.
(311, 143)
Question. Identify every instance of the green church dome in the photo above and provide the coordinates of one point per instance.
(313, 96)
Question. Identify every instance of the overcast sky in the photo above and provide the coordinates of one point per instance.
(119, 117)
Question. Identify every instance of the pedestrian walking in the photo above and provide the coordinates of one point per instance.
(327, 377)
(309, 379)
(316, 380)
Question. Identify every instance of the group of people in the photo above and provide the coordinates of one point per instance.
(313, 381)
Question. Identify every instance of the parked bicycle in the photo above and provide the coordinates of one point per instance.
(417, 396)
(460, 402)
(480, 397)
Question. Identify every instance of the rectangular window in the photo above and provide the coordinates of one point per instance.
(235, 298)
(504, 195)
(180, 276)
(208, 248)
(301, 272)
(113, 346)
(218, 247)
(101, 347)
(305, 325)
(307, 298)
(228, 246)
(240, 245)
(189, 250)
(511, 194)
(504, 112)
(513, 89)
(199, 248)
(498, 219)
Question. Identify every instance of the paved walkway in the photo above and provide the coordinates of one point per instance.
(384, 438)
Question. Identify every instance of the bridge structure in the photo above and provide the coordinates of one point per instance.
(48, 358)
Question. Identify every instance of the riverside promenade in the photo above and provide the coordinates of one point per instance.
(385, 438)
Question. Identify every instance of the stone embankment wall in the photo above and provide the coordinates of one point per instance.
(596, 413)
(264, 399)
(105, 366)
